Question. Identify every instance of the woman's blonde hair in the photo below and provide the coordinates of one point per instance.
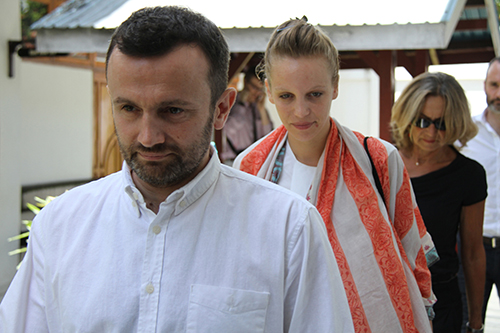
(456, 115)
(296, 38)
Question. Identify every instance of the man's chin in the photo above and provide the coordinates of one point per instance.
(494, 108)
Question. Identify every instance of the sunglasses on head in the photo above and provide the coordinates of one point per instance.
(426, 122)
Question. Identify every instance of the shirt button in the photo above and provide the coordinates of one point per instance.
(156, 229)
(182, 204)
(150, 288)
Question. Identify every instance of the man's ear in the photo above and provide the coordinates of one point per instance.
(223, 107)
(269, 95)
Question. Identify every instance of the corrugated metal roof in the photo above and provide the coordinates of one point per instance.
(108, 14)
(477, 35)
(86, 25)
(78, 14)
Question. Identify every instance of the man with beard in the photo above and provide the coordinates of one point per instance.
(485, 148)
(175, 241)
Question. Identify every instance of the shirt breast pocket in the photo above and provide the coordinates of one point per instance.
(220, 309)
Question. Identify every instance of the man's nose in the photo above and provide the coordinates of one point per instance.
(151, 131)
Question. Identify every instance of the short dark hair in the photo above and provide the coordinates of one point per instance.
(496, 59)
(155, 31)
(492, 61)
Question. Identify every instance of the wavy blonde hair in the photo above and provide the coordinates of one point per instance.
(296, 38)
(456, 115)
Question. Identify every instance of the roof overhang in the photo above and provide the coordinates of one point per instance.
(409, 36)
(345, 38)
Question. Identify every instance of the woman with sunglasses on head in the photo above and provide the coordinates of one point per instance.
(378, 249)
(432, 114)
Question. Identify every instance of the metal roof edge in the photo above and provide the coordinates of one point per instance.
(491, 9)
(86, 40)
(345, 38)
(452, 13)
(352, 38)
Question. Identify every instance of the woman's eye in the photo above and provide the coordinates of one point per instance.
(285, 96)
(316, 94)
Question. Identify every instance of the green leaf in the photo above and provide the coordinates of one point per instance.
(44, 202)
(33, 208)
(22, 250)
(28, 223)
(21, 236)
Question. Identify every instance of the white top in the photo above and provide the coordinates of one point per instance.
(220, 256)
(296, 176)
(485, 148)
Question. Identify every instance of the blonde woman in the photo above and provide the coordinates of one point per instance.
(379, 250)
(432, 114)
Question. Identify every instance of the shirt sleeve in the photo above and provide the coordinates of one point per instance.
(476, 184)
(315, 300)
(23, 308)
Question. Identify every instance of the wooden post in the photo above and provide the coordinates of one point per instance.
(387, 87)
(384, 64)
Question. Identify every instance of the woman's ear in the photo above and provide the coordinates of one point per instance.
(268, 88)
(223, 107)
(335, 89)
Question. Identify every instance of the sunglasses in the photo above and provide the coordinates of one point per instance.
(425, 122)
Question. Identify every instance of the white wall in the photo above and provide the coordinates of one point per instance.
(10, 134)
(46, 131)
(357, 106)
(57, 124)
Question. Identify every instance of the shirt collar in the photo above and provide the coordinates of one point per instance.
(182, 197)
(484, 122)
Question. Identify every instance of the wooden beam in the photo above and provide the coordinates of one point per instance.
(479, 24)
(371, 59)
(416, 63)
(239, 62)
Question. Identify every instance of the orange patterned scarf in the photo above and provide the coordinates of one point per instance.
(386, 240)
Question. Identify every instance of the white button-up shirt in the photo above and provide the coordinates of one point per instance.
(226, 253)
(485, 148)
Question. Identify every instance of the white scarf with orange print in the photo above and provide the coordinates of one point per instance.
(380, 252)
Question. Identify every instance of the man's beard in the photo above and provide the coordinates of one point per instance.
(181, 164)
(492, 107)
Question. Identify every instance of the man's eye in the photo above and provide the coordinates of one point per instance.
(316, 94)
(128, 108)
(175, 110)
(285, 96)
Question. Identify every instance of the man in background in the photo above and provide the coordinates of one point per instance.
(248, 120)
(485, 148)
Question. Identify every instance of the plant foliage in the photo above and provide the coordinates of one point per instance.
(31, 11)
(40, 203)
